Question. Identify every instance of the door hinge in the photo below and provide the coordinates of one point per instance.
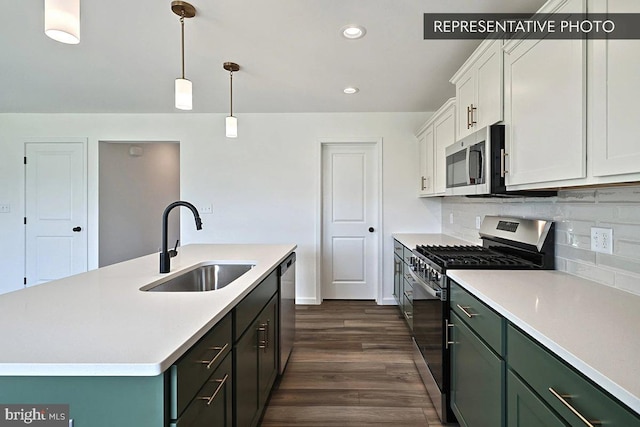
(25, 160)
(25, 220)
(25, 280)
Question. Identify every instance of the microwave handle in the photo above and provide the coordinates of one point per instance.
(468, 150)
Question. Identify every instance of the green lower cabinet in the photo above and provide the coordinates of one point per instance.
(212, 405)
(477, 376)
(94, 401)
(256, 366)
(525, 409)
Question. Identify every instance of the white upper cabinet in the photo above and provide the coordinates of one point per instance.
(545, 107)
(479, 85)
(425, 156)
(433, 138)
(444, 134)
(614, 86)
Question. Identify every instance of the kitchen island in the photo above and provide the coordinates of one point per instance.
(96, 338)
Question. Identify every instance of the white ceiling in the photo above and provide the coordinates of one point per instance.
(291, 54)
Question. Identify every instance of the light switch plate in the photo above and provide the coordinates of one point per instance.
(5, 208)
(478, 221)
(451, 218)
(602, 240)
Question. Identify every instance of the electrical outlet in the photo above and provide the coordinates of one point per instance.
(602, 240)
(478, 221)
(206, 209)
(5, 208)
(451, 218)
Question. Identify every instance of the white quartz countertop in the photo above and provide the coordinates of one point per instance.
(591, 326)
(100, 324)
(410, 240)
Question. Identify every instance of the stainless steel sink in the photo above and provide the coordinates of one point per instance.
(201, 279)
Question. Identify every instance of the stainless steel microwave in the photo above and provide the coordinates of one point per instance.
(469, 164)
(476, 166)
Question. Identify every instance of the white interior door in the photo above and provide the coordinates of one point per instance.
(56, 211)
(350, 191)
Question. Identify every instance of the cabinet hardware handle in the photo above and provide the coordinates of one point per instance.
(422, 186)
(408, 315)
(215, 393)
(264, 343)
(408, 277)
(468, 119)
(464, 310)
(472, 122)
(562, 398)
(503, 158)
(447, 325)
(220, 350)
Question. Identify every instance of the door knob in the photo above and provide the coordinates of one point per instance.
(77, 229)
(371, 229)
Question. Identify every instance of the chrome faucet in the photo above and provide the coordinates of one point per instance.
(166, 254)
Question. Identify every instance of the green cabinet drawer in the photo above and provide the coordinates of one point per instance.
(477, 376)
(249, 308)
(398, 248)
(193, 369)
(524, 407)
(212, 405)
(482, 319)
(566, 391)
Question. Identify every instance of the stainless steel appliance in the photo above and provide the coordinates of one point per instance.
(477, 165)
(507, 243)
(287, 314)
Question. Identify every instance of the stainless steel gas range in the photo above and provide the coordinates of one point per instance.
(507, 243)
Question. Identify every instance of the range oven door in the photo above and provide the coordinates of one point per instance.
(428, 328)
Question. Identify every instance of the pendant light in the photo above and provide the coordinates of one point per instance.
(231, 123)
(183, 87)
(62, 20)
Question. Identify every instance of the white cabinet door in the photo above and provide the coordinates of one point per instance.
(444, 134)
(466, 99)
(479, 89)
(489, 87)
(425, 155)
(614, 85)
(545, 108)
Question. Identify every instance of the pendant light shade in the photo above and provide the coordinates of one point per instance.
(231, 123)
(183, 87)
(184, 94)
(62, 20)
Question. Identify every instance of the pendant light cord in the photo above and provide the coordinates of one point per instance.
(182, 28)
(231, 93)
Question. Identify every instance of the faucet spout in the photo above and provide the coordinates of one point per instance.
(166, 254)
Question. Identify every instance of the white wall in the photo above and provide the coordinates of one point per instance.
(263, 185)
(133, 189)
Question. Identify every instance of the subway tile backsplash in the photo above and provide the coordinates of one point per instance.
(574, 212)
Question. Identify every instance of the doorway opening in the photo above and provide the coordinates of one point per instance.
(136, 181)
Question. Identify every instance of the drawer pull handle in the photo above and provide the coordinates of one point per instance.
(264, 342)
(464, 310)
(215, 393)
(220, 350)
(562, 398)
(408, 314)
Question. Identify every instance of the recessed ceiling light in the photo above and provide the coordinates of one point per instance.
(353, 32)
(351, 90)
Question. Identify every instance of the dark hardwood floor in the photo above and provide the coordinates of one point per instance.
(351, 366)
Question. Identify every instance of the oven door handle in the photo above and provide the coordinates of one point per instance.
(468, 172)
(433, 292)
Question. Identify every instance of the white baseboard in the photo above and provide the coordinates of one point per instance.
(389, 301)
(307, 301)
